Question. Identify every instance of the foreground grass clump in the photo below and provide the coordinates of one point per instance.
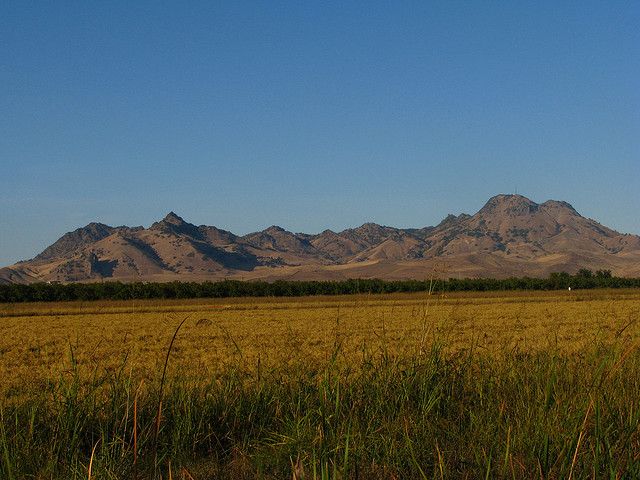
(431, 415)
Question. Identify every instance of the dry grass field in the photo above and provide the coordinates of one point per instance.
(106, 359)
(38, 340)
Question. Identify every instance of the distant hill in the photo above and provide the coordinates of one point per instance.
(510, 236)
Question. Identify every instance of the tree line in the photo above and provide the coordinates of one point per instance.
(55, 292)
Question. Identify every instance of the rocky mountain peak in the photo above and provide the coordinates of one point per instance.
(559, 205)
(275, 229)
(176, 225)
(509, 204)
(173, 219)
(71, 242)
(450, 220)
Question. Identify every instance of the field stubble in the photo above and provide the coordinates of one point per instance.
(37, 340)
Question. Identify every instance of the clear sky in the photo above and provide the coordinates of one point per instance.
(312, 115)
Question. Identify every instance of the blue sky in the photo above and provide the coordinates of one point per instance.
(312, 115)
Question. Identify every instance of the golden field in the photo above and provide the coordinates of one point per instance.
(39, 342)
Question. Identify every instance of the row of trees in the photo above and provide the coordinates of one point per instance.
(46, 292)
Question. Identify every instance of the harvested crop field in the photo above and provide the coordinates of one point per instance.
(509, 385)
(38, 340)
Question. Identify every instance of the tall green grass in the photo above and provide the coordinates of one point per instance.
(431, 415)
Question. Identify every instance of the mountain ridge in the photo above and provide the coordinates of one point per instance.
(510, 235)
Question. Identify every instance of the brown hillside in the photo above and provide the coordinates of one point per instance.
(509, 235)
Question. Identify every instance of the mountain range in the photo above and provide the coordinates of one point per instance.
(509, 236)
